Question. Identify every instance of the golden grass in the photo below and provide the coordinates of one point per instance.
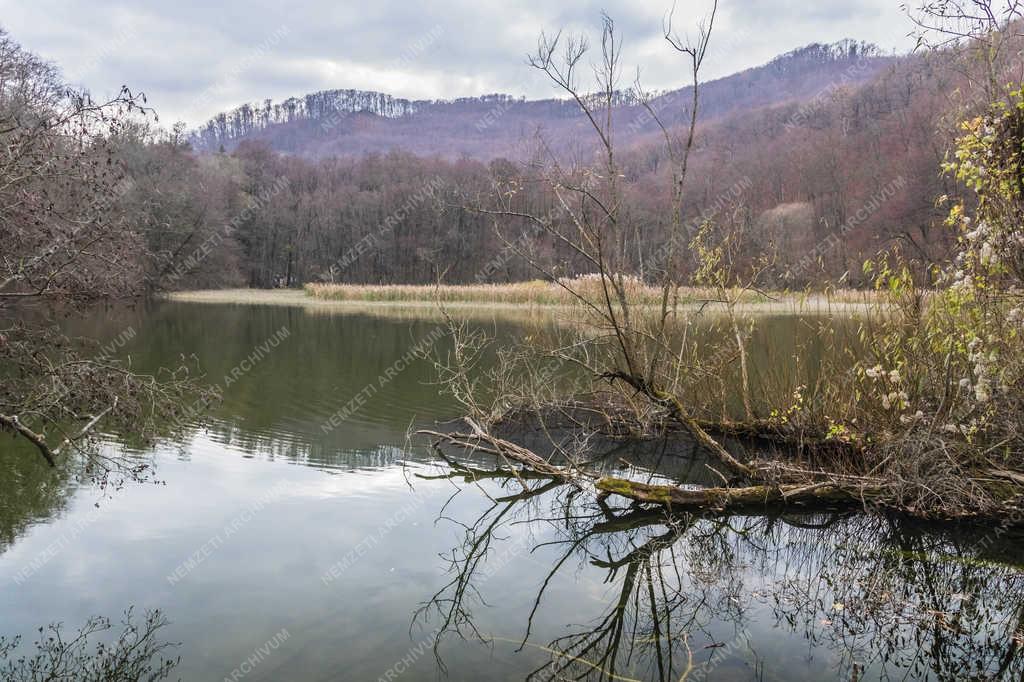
(536, 292)
(397, 310)
(526, 299)
(285, 297)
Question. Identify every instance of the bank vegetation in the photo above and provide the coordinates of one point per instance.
(923, 414)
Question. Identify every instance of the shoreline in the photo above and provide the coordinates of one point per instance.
(786, 303)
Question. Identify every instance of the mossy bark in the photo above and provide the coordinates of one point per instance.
(756, 496)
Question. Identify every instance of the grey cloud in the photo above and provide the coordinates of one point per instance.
(195, 58)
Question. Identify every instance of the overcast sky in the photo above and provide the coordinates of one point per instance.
(194, 58)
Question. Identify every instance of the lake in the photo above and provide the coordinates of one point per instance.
(297, 533)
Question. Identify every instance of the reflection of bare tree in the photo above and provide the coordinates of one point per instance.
(649, 621)
(136, 654)
(882, 597)
(911, 601)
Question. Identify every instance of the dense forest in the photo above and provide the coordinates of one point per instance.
(346, 186)
(824, 141)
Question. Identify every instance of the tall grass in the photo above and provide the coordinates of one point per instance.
(535, 292)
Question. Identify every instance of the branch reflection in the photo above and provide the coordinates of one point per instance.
(699, 596)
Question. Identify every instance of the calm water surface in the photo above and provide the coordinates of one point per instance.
(354, 552)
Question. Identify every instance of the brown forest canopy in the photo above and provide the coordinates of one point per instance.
(354, 123)
(826, 155)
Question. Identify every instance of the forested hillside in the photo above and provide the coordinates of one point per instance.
(354, 123)
(822, 143)
(820, 158)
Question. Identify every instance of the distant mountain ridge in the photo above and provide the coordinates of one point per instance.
(347, 122)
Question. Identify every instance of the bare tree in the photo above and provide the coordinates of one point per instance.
(66, 245)
(984, 33)
(625, 347)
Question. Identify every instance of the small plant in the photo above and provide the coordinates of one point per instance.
(136, 655)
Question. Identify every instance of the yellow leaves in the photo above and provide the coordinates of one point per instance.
(956, 214)
(972, 124)
(837, 432)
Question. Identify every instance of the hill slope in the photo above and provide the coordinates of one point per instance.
(354, 123)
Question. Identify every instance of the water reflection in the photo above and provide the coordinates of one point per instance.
(283, 403)
(810, 596)
(30, 492)
(581, 590)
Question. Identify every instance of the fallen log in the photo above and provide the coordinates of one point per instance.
(669, 496)
(1014, 476)
(769, 487)
(755, 496)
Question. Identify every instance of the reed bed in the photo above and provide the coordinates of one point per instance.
(539, 293)
(486, 300)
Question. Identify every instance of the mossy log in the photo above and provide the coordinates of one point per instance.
(671, 497)
(788, 487)
(755, 496)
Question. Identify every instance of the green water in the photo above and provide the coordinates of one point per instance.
(345, 545)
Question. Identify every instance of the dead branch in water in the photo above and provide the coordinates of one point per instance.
(845, 490)
(13, 423)
(482, 441)
(734, 499)
(772, 484)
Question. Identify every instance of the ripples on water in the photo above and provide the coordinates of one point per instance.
(353, 542)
